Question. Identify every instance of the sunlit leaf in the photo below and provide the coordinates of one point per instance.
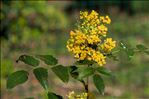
(16, 78)
(99, 84)
(104, 71)
(48, 59)
(54, 96)
(41, 75)
(30, 60)
(61, 72)
(85, 72)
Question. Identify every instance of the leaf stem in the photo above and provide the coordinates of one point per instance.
(86, 85)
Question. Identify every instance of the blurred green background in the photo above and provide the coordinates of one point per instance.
(34, 27)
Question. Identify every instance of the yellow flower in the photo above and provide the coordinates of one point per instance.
(93, 39)
(99, 58)
(87, 42)
(105, 20)
(102, 30)
(73, 95)
(83, 14)
(108, 45)
(89, 19)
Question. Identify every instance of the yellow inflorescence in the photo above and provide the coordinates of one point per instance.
(105, 20)
(89, 40)
(73, 95)
(108, 45)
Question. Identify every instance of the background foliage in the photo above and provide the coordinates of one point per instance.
(43, 27)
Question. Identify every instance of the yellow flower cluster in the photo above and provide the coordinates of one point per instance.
(73, 95)
(88, 40)
(105, 20)
(108, 45)
(89, 19)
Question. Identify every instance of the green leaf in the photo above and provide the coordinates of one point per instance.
(141, 47)
(84, 62)
(110, 55)
(147, 52)
(123, 45)
(99, 84)
(130, 53)
(85, 72)
(16, 78)
(48, 59)
(30, 60)
(73, 72)
(61, 72)
(73, 68)
(54, 96)
(41, 75)
(104, 71)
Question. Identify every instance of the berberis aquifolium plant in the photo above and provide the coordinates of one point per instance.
(90, 45)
